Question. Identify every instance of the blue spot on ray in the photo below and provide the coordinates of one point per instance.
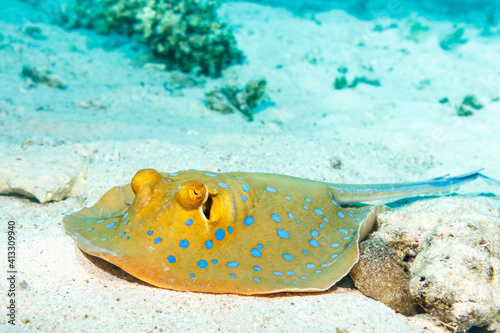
(90, 229)
(257, 269)
(223, 185)
(288, 197)
(188, 222)
(276, 217)
(256, 279)
(308, 200)
(314, 243)
(335, 245)
(256, 253)
(230, 230)
(245, 187)
(277, 273)
(110, 225)
(314, 233)
(232, 275)
(219, 234)
(291, 273)
(270, 189)
(209, 244)
(184, 243)
(342, 231)
(287, 257)
(157, 240)
(310, 266)
(202, 264)
(318, 211)
(260, 246)
(149, 232)
(249, 220)
(171, 259)
(341, 215)
(122, 234)
(244, 198)
(214, 261)
(233, 264)
(290, 215)
(125, 216)
(210, 175)
(305, 252)
(191, 276)
(282, 233)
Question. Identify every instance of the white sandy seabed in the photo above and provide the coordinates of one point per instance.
(395, 132)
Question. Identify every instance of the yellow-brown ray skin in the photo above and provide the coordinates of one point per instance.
(154, 208)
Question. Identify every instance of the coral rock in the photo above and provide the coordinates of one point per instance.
(185, 34)
(456, 276)
(453, 248)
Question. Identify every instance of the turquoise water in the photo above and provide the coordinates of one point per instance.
(112, 94)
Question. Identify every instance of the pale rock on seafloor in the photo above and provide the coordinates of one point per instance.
(43, 173)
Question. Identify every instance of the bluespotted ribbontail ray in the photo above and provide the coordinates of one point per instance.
(245, 233)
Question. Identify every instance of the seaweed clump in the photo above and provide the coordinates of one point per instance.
(231, 98)
(416, 31)
(341, 81)
(469, 104)
(43, 76)
(184, 34)
(453, 39)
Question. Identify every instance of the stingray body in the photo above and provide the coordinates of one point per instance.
(245, 233)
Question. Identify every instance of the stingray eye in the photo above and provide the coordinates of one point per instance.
(191, 195)
(195, 194)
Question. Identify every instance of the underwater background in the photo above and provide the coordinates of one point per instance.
(362, 91)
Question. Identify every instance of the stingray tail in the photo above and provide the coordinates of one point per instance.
(347, 193)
